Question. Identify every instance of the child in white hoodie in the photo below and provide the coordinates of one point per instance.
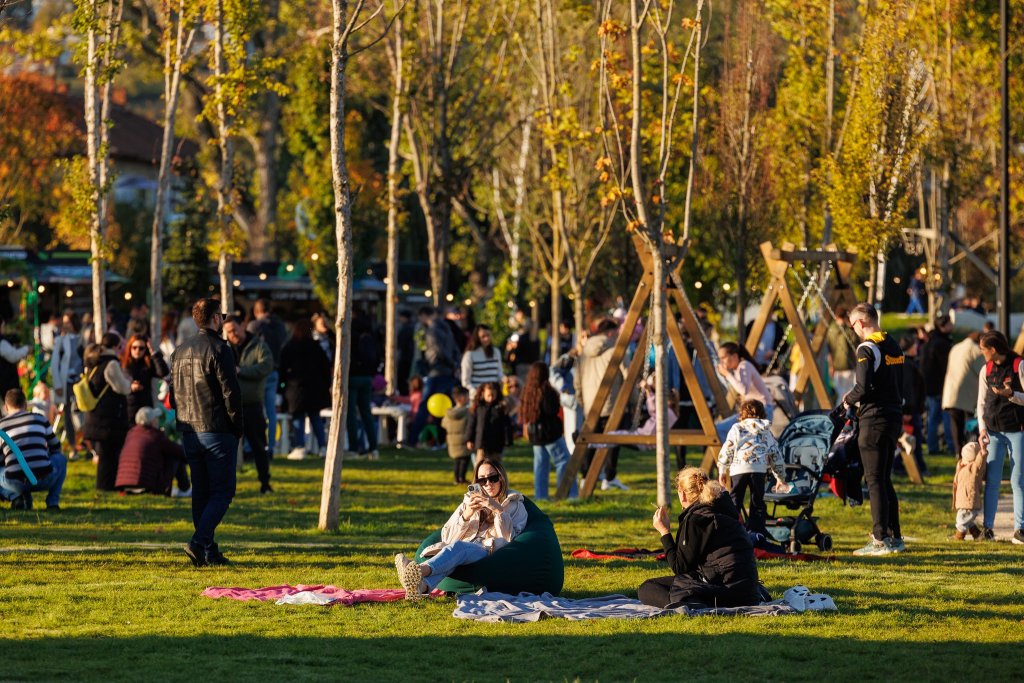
(749, 451)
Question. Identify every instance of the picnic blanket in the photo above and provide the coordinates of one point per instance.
(526, 607)
(310, 595)
(643, 554)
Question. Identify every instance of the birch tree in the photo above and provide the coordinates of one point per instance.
(886, 125)
(345, 19)
(99, 23)
(638, 141)
(457, 98)
(396, 50)
(179, 30)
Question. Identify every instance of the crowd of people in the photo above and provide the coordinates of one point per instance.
(224, 380)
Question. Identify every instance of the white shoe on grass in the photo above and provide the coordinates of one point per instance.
(178, 493)
(617, 484)
(298, 453)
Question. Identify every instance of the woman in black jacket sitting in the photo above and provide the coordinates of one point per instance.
(712, 557)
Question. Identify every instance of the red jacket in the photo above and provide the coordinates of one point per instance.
(148, 460)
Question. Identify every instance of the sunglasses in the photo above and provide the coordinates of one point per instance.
(138, 348)
(490, 479)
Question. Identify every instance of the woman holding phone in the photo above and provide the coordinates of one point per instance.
(488, 518)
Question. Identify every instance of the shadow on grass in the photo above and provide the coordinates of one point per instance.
(513, 654)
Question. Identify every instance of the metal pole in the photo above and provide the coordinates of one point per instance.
(1004, 177)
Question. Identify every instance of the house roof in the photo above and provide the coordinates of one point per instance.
(133, 138)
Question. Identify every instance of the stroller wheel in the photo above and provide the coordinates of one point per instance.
(824, 542)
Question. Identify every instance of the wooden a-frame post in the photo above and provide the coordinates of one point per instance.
(778, 262)
(705, 436)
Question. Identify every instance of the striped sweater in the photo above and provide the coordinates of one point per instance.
(34, 436)
(478, 369)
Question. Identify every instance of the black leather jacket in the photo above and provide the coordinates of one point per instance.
(204, 386)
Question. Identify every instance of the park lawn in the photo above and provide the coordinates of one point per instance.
(102, 591)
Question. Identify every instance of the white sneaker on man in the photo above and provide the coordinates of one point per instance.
(297, 453)
(604, 485)
(373, 455)
(617, 484)
(178, 493)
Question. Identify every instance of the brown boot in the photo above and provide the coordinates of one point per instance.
(974, 531)
(959, 535)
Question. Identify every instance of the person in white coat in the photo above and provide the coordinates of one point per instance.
(960, 386)
(489, 517)
(66, 369)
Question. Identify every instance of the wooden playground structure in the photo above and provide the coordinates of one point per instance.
(828, 274)
(686, 323)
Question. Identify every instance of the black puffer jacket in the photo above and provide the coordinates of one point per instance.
(489, 427)
(712, 542)
(204, 386)
(306, 376)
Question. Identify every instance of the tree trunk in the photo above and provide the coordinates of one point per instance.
(173, 56)
(578, 311)
(224, 212)
(331, 493)
(657, 323)
(390, 322)
(438, 230)
(93, 125)
(556, 316)
(656, 245)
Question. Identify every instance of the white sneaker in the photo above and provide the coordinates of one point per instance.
(604, 485)
(352, 455)
(298, 453)
(617, 484)
(374, 455)
(178, 493)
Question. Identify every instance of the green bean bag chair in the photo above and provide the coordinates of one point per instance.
(531, 563)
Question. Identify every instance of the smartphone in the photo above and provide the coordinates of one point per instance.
(476, 488)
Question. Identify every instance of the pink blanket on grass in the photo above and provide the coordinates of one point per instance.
(329, 595)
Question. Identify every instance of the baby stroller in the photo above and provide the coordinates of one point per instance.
(806, 445)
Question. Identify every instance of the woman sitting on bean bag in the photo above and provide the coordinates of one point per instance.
(486, 520)
(712, 557)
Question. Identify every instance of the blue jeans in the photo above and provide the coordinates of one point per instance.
(723, 426)
(451, 557)
(914, 306)
(270, 409)
(1001, 444)
(212, 458)
(554, 452)
(936, 414)
(360, 389)
(316, 424)
(51, 483)
(431, 386)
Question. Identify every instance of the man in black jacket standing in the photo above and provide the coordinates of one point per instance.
(878, 397)
(208, 401)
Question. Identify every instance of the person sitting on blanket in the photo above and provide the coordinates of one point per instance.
(711, 557)
(485, 521)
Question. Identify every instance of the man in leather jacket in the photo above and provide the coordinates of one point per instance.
(208, 402)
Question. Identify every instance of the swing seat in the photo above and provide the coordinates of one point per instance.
(531, 563)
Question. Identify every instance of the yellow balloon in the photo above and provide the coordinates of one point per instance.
(438, 405)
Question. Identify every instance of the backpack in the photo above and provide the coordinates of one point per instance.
(87, 401)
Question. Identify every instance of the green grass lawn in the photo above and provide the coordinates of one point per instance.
(102, 591)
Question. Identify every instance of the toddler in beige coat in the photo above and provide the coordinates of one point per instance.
(967, 490)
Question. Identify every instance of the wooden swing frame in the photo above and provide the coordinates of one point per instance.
(839, 292)
(779, 261)
(706, 436)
